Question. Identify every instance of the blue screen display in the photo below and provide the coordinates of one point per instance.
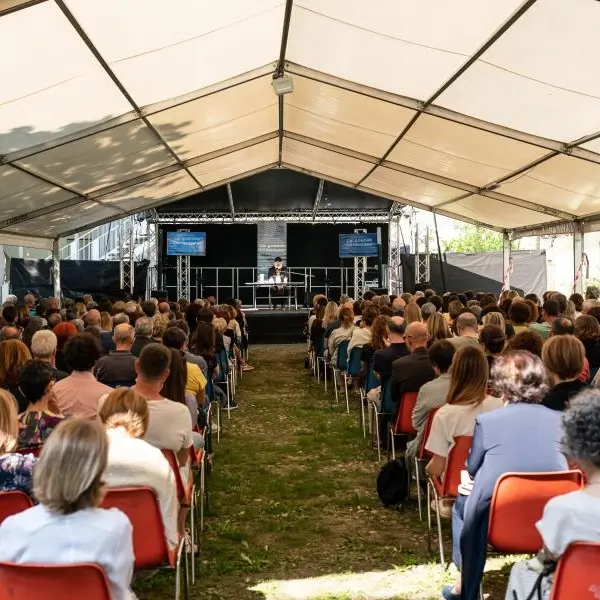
(358, 244)
(186, 243)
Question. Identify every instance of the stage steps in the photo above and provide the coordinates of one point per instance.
(276, 326)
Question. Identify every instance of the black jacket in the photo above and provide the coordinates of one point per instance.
(558, 397)
(410, 372)
(139, 343)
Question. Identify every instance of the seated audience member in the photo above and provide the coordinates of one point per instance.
(467, 331)
(117, 368)
(383, 359)
(454, 308)
(132, 462)
(412, 313)
(13, 355)
(563, 356)
(411, 372)
(106, 322)
(427, 310)
(577, 300)
(587, 330)
(467, 399)
(522, 437)
(43, 348)
(562, 326)
(437, 328)
(493, 340)
(53, 320)
(316, 331)
(589, 305)
(16, 470)
(42, 415)
(195, 380)
(174, 389)
(143, 335)
(169, 423)
(379, 341)
(342, 333)
(64, 332)
(520, 315)
(35, 324)
(433, 394)
(526, 340)
(330, 320)
(398, 306)
(195, 359)
(490, 315)
(362, 335)
(148, 308)
(550, 312)
(68, 525)
(572, 517)
(78, 394)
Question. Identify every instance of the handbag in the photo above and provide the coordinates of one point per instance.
(536, 593)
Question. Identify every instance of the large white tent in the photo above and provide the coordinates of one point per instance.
(486, 111)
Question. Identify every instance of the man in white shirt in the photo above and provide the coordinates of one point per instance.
(169, 423)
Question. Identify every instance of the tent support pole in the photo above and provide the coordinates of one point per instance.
(506, 259)
(440, 257)
(578, 258)
(56, 270)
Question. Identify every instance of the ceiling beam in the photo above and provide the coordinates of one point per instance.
(318, 198)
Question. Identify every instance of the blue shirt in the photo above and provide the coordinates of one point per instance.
(92, 535)
(516, 438)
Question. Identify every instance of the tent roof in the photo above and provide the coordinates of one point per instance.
(487, 112)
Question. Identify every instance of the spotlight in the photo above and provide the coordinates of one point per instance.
(283, 84)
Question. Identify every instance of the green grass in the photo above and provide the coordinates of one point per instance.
(293, 497)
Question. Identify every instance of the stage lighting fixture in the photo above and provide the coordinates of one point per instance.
(283, 84)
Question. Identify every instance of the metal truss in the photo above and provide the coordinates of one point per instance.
(297, 216)
(151, 250)
(360, 267)
(126, 254)
(184, 276)
(394, 255)
(422, 255)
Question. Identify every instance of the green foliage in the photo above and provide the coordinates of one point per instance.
(473, 238)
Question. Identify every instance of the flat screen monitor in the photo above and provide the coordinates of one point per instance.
(358, 244)
(186, 243)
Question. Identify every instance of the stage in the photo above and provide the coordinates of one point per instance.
(276, 326)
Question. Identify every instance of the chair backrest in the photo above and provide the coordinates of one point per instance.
(355, 361)
(371, 380)
(421, 452)
(518, 504)
(12, 503)
(387, 405)
(455, 463)
(320, 345)
(404, 417)
(141, 507)
(577, 575)
(342, 355)
(53, 582)
(174, 463)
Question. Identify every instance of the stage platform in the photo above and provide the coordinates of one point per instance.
(276, 326)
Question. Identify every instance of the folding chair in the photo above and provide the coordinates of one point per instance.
(53, 582)
(319, 349)
(518, 504)
(375, 414)
(210, 392)
(448, 486)
(12, 503)
(577, 575)
(423, 456)
(340, 367)
(141, 507)
(225, 378)
(199, 459)
(186, 494)
(403, 425)
(354, 369)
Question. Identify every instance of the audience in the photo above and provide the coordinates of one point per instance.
(13, 355)
(16, 470)
(526, 340)
(43, 348)
(550, 312)
(522, 437)
(467, 331)
(143, 335)
(520, 315)
(362, 335)
(117, 368)
(437, 328)
(78, 394)
(42, 415)
(587, 330)
(341, 333)
(563, 356)
(64, 332)
(68, 525)
(133, 462)
(493, 340)
(412, 313)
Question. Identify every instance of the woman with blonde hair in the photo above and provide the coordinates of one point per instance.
(342, 333)
(68, 526)
(106, 321)
(466, 399)
(412, 313)
(13, 355)
(437, 327)
(331, 314)
(16, 470)
(133, 462)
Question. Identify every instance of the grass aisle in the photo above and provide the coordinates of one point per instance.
(293, 498)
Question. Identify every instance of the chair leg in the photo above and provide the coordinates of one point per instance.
(362, 413)
(202, 490)
(346, 392)
(335, 387)
(439, 527)
(428, 516)
(392, 444)
(193, 533)
(418, 478)
(377, 434)
(325, 374)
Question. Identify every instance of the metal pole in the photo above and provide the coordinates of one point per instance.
(578, 258)
(437, 237)
(56, 270)
(131, 255)
(507, 259)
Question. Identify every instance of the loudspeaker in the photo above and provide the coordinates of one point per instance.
(159, 294)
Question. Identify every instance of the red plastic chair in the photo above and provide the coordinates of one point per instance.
(53, 582)
(141, 507)
(403, 425)
(518, 504)
(12, 503)
(423, 456)
(577, 575)
(447, 487)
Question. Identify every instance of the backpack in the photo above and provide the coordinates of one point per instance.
(392, 483)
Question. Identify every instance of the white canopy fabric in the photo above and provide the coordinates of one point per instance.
(487, 112)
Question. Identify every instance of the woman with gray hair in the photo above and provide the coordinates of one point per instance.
(573, 517)
(67, 525)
